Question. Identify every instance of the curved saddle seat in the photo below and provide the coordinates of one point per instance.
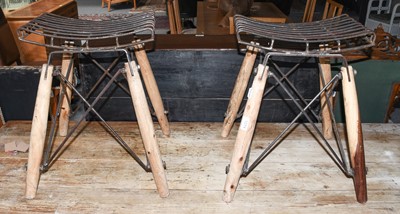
(88, 35)
(337, 34)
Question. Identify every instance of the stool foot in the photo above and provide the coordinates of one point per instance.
(38, 131)
(239, 90)
(65, 106)
(245, 133)
(152, 89)
(325, 77)
(146, 128)
(354, 134)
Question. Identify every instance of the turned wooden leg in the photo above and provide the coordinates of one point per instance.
(354, 134)
(152, 89)
(325, 77)
(65, 105)
(239, 90)
(134, 4)
(38, 131)
(245, 133)
(146, 128)
(171, 17)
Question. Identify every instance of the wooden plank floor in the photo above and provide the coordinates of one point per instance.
(95, 175)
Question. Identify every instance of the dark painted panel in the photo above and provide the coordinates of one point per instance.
(196, 84)
(18, 88)
(191, 110)
(201, 74)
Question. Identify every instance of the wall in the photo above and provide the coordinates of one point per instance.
(374, 81)
(196, 86)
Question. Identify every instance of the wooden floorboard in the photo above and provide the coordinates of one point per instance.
(95, 175)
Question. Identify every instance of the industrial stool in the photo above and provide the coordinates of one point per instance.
(322, 40)
(70, 37)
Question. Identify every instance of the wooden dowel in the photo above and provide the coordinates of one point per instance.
(152, 89)
(171, 17)
(146, 128)
(38, 131)
(325, 77)
(65, 105)
(177, 17)
(239, 89)
(245, 133)
(354, 134)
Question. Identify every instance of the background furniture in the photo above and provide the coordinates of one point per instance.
(379, 12)
(208, 19)
(32, 53)
(393, 101)
(174, 17)
(13, 4)
(332, 9)
(309, 10)
(8, 49)
(110, 2)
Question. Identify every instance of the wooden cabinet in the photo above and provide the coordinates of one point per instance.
(33, 53)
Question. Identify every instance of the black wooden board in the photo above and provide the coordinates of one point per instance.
(18, 88)
(196, 85)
